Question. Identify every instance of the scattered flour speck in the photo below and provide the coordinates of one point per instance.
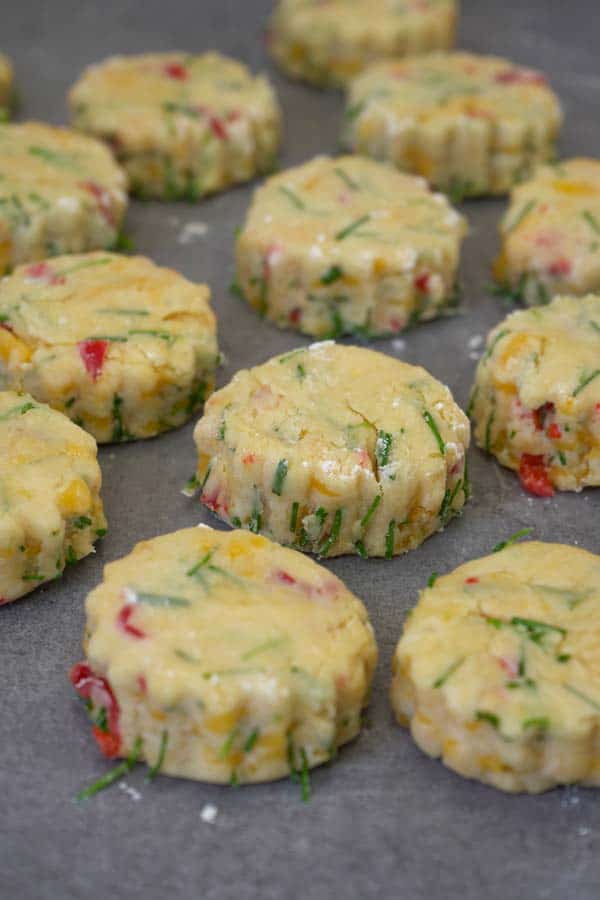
(569, 798)
(130, 791)
(209, 814)
(582, 831)
(475, 341)
(399, 344)
(192, 232)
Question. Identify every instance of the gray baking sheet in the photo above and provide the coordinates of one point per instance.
(384, 820)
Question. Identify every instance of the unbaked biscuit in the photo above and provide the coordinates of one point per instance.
(497, 671)
(182, 126)
(469, 124)
(333, 450)
(222, 657)
(123, 347)
(348, 246)
(536, 399)
(50, 482)
(327, 42)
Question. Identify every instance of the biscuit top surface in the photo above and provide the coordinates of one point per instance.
(512, 639)
(103, 296)
(208, 612)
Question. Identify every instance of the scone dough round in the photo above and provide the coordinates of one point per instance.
(536, 399)
(469, 124)
(551, 234)
(60, 192)
(182, 126)
(498, 673)
(348, 246)
(51, 508)
(333, 450)
(328, 43)
(247, 661)
(6, 87)
(123, 347)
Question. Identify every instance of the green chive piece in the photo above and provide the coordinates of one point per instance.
(432, 579)
(227, 746)
(251, 740)
(482, 715)
(304, 777)
(200, 565)
(521, 216)
(155, 769)
(294, 516)
(439, 682)
(535, 630)
(82, 522)
(161, 600)
(112, 776)
(583, 697)
(17, 411)
(255, 523)
(361, 549)
(371, 511)
(349, 229)
(539, 723)
(279, 477)
(383, 448)
(271, 644)
(492, 346)
(584, 381)
(389, 539)
(292, 197)
(488, 430)
(592, 221)
(333, 274)
(348, 181)
(333, 535)
(435, 430)
(513, 539)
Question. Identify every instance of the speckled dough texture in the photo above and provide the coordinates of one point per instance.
(498, 671)
(50, 486)
(551, 234)
(125, 348)
(248, 661)
(182, 126)
(60, 192)
(472, 125)
(327, 42)
(348, 246)
(334, 450)
(536, 399)
(6, 86)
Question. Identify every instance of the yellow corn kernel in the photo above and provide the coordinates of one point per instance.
(13, 351)
(515, 345)
(574, 188)
(76, 498)
(491, 763)
(316, 485)
(158, 715)
(222, 723)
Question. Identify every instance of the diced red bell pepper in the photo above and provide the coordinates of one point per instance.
(176, 71)
(422, 283)
(42, 271)
(103, 198)
(539, 415)
(534, 475)
(560, 267)
(93, 354)
(125, 625)
(519, 76)
(218, 128)
(472, 580)
(554, 431)
(295, 316)
(98, 691)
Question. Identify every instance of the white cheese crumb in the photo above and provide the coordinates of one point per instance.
(475, 341)
(130, 791)
(202, 525)
(319, 344)
(209, 814)
(399, 344)
(192, 232)
(582, 831)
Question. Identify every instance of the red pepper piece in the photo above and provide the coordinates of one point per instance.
(519, 76)
(43, 272)
(554, 432)
(560, 267)
(218, 128)
(93, 354)
(96, 689)
(422, 283)
(472, 580)
(295, 316)
(124, 624)
(176, 71)
(534, 475)
(539, 415)
(102, 196)
(284, 577)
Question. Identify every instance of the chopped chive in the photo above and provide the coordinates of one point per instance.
(123, 243)
(361, 549)
(101, 532)
(432, 579)
(227, 746)
(200, 565)
(349, 229)
(163, 335)
(86, 264)
(563, 657)
(354, 111)
(535, 630)
(294, 516)
(251, 740)
(255, 523)
(389, 539)
(483, 715)
(292, 197)
(333, 535)
(112, 776)
(155, 769)
(82, 522)
(348, 181)
(492, 346)
(123, 312)
(540, 723)
(191, 486)
(271, 644)
(304, 777)
(370, 512)
(488, 430)
(584, 381)
(17, 411)
(161, 599)
(592, 221)
(435, 430)
(584, 697)
(300, 371)
(333, 274)
(33, 577)
(513, 539)
(234, 780)
(562, 458)
(279, 477)
(439, 682)
(112, 338)
(520, 217)
(383, 447)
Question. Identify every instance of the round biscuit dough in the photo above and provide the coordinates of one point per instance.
(123, 347)
(182, 126)
(333, 450)
(50, 481)
(245, 661)
(471, 125)
(535, 403)
(348, 246)
(498, 673)
(60, 192)
(328, 43)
